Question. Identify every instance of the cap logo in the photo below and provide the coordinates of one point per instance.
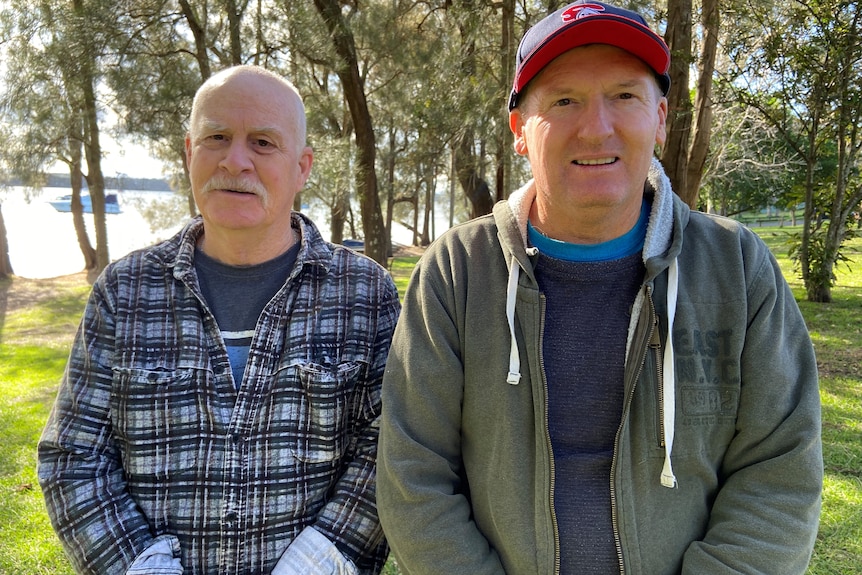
(581, 11)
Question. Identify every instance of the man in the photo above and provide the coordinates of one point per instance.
(594, 379)
(219, 409)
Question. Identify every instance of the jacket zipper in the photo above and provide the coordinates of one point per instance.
(626, 408)
(554, 523)
(655, 346)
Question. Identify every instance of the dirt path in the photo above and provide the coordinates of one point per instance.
(19, 293)
(22, 292)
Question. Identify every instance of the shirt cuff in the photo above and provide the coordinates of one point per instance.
(159, 558)
(312, 553)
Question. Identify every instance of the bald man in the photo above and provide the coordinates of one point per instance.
(219, 409)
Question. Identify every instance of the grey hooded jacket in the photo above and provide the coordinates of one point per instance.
(717, 465)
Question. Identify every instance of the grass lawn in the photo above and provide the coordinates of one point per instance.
(38, 319)
(836, 330)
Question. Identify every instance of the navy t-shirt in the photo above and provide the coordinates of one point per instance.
(237, 295)
(589, 291)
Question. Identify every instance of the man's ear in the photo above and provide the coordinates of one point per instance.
(188, 149)
(306, 159)
(516, 124)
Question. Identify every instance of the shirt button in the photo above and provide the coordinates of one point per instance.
(231, 516)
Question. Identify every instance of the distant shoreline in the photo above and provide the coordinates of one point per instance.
(123, 183)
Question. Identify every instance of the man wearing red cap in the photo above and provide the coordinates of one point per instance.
(595, 379)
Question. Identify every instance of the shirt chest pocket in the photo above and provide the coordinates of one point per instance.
(158, 422)
(324, 404)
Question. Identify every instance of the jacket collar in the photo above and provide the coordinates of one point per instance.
(660, 230)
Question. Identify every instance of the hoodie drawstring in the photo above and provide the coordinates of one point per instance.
(514, 376)
(668, 479)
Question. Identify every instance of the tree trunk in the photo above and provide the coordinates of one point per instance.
(703, 106)
(390, 183)
(338, 216)
(92, 146)
(354, 92)
(475, 188)
(199, 34)
(234, 17)
(678, 37)
(428, 214)
(5, 262)
(820, 291)
(90, 261)
(807, 222)
(508, 47)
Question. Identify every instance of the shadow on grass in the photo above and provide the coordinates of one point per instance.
(4, 299)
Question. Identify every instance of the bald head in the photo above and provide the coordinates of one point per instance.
(286, 96)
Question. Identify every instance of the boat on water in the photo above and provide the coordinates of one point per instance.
(355, 245)
(64, 204)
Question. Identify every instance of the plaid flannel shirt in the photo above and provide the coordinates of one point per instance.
(149, 437)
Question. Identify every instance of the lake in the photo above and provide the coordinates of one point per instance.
(42, 241)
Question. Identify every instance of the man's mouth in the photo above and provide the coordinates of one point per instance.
(595, 162)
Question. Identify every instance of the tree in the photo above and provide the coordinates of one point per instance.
(802, 74)
(468, 153)
(57, 114)
(749, 165)
(154, 81)
(689, 124)
(680, 110)
(81, 30)
(376, 241)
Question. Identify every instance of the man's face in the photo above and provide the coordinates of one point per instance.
(245, 163)
(589, 125)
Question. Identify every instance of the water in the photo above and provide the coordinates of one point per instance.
(42, 241)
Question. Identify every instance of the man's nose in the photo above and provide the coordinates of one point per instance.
(596, 122)
(237, 158)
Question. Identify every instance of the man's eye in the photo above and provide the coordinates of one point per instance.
(563, 102)
(264, 143)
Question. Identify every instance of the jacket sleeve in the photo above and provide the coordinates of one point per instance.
(349, 519)
(765, 516)
(422, 496)
(79, 467)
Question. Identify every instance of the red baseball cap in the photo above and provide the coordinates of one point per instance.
(587, 22)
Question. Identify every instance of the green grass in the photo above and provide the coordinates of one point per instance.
(836, 330)
(401, 269)
(30, 372)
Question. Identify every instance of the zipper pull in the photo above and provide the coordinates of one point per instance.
(655, 338)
